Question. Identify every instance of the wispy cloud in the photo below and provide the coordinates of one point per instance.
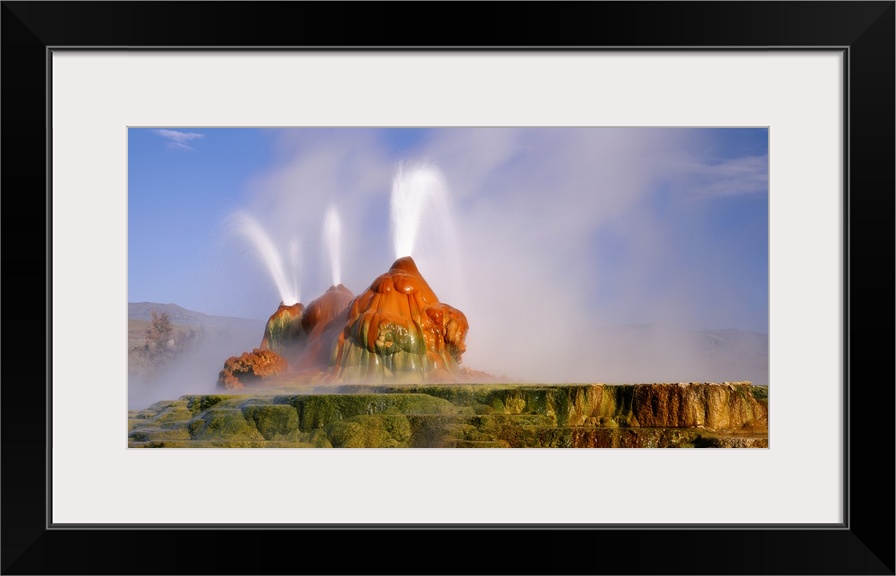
(178, 139)
(746, 175)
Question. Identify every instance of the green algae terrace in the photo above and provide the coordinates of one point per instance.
(677, 415)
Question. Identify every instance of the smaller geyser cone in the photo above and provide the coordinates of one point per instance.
(324, 309)
(283, 333)
(398, 330)
(322, 323)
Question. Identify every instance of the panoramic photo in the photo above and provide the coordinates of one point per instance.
(448, 287)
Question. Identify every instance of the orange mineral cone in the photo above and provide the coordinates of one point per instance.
(397, 330)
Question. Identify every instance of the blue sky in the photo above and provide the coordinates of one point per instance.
(545, 236)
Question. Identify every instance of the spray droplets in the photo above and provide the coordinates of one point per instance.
(332, 237)
(271, 257)
(412, 190)
(286, 273)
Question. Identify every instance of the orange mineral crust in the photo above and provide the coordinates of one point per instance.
(398, 330)
(250, 368)
(323, 310)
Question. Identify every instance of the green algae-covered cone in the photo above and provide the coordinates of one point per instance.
(283, 332)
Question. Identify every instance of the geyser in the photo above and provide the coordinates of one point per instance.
(295, 258)
(412, 191)
(396, 330)
(332, 237)
(422, 225)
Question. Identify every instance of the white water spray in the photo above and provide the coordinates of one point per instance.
(332, 237)
(295, 258)
(420, 196)
(412, 191)
(270, 256)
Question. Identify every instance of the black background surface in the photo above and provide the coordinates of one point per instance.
(863, 545)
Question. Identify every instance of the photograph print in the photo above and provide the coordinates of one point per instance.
(448, 287)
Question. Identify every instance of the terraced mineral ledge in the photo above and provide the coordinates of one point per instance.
(669, 415)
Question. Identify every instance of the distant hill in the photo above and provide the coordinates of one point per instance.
(184, 317)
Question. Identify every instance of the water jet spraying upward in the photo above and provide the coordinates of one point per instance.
(270, 256)
(332, 235)
(420, 200)
(295, 258)
(412, 190)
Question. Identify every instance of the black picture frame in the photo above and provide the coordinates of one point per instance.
(863, 544)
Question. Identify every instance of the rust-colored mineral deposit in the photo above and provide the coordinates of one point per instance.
(250, 368)
(322, 323)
